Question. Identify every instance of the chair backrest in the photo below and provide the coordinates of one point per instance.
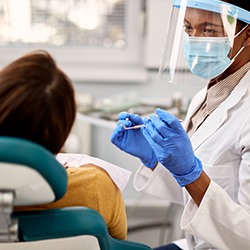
(31, 171)
(31, 175)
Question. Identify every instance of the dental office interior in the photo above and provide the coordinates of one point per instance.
(112, 51)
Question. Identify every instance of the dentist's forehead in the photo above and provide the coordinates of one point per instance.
(198, 16)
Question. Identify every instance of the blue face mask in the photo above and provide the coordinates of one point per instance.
(206, 57)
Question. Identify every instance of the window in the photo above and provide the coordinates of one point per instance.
(81, 34)
(63, 23)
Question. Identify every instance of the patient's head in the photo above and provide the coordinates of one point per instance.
(37, 101)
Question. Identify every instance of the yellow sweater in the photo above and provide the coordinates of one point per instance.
(91, 186)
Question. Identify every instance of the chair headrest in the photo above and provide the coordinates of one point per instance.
(17, 152)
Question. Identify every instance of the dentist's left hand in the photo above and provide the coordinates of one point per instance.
(132, 141)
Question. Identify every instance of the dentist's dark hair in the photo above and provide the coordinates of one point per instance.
(37, 101)
(244, 4)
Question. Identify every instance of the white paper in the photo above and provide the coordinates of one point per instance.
(119, 175)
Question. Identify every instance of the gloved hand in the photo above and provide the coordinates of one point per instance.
(132, 141)
(172, 146)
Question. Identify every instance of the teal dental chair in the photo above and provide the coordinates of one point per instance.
(30, 175)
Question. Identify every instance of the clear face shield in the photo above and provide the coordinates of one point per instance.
(200, 39)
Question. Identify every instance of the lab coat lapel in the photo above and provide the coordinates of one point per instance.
(219, 115)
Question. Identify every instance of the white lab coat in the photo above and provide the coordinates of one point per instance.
(219, 214)
(222, 143)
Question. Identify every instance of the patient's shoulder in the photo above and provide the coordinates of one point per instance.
(90, 173)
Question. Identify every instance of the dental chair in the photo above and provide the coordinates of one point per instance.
(30, 175)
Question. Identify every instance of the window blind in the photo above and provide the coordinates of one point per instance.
(89, 23)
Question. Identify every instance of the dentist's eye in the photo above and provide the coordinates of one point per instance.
(209, 32)
(187, 28)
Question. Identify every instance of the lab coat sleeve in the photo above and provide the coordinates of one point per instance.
(159, 183)
(218, 220)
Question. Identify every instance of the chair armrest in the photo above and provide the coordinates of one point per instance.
(69, 222)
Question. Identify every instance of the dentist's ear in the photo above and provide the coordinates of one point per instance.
(247, 39)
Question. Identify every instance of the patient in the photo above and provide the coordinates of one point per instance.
(38, 104)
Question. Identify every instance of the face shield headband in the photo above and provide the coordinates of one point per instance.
(215, 6)
(206, 49)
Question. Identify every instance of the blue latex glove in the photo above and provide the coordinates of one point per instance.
(172, 146)
(132, 141)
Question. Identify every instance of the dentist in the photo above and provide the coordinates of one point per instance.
(210, 172)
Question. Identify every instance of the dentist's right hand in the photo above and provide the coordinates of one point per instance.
(133, 141)
(172, 146)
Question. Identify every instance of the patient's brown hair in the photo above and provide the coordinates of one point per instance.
(37, 101)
